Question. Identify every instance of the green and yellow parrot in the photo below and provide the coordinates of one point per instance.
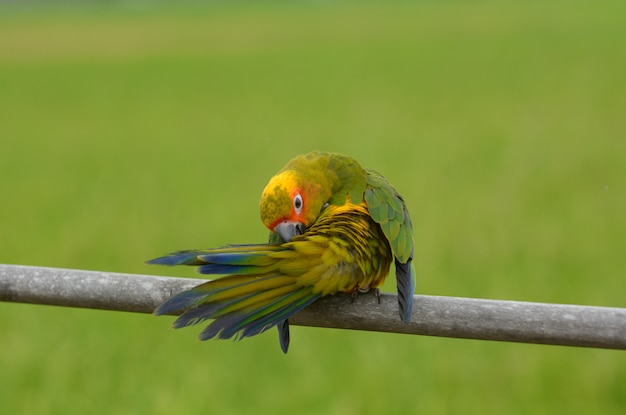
(334, 227)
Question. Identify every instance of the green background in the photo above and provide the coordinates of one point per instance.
(131, 130)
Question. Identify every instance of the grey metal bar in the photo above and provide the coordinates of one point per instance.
(514, 321)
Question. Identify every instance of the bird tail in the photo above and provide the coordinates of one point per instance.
(405, 279)
(254, 297)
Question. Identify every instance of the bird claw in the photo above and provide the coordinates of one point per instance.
(354, 294)
(376, 292)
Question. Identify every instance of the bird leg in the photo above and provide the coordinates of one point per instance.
(376, 292)
(354, 294)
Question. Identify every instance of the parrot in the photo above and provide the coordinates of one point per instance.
(335, 227)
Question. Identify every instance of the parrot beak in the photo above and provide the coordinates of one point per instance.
(288, 230)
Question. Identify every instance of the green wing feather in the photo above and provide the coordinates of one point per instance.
(389, 210)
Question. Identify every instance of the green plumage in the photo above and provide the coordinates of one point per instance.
(388, 209)
(355, 224)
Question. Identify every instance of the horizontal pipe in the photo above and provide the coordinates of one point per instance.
(513, 321)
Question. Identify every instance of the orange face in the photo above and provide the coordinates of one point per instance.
(288, 204)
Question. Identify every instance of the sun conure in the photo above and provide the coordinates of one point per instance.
(334, 227)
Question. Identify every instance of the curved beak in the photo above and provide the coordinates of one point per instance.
(288, 229)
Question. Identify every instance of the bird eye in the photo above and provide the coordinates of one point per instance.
(297, 203)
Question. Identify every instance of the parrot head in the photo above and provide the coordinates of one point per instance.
(290, 203)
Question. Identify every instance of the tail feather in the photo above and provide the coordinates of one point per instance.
(283, 335)
(405, 280)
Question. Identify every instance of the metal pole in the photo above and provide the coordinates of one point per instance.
(514, 321)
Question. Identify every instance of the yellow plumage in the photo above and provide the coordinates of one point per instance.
(335, 227)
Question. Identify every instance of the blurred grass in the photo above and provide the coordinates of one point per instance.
(128, 132)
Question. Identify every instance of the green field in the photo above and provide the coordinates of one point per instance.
(127, 132)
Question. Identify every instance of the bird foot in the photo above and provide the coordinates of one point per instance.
(376, 292)
(354, 294)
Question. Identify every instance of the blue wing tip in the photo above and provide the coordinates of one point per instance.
(179, 302)
(164, 260)
(165, 308)
(176, 258)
